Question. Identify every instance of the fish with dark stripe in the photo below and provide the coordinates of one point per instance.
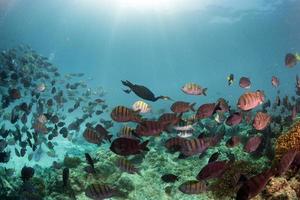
(98, 191)
(193, 187)
(124, 114)
(126, 166)
(150, 128)
(174, 144)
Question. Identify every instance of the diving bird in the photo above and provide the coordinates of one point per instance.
(142, 92)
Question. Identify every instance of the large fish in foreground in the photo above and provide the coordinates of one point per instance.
(254, 185)
(250, 100)
(143, 92)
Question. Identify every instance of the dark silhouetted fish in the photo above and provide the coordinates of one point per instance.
(27, 173)
(143, 92)
(169, 178)
(66, 174)
(4, 157)
(174, 144)
(214, 157)
(128, 146)
(90, 161)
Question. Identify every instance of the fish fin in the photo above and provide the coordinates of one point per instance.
(144, 147)
(127, 91)
(192, 107)
(204, 91)
(108, 137)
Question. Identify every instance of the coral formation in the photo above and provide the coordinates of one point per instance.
(289, 140)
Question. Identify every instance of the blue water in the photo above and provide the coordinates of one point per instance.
(161, 44)
(196, 41)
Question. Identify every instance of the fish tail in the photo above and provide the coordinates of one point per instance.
(144, 147)
(192, 107)
(204, 91)
(127, 83)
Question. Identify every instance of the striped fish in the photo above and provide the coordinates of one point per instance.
(97, 191)
(92, 136)
(127, 132)
(141, 107)
(174, 144)
(170, 118)
(182, 107)
(124, 114)
(198, 145)
(261, 121)
(194, 146)
(250, 100)
(193, 89)
(126, 166)
(254, 185)
(213, 170)
(150, 128)
(192, 187)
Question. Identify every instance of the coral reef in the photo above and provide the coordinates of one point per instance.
(289, 140)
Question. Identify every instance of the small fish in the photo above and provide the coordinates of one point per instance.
(230, 79)
(290, 60)
(194, 89)
(193, 187)
(214, 157)
(126, 166)
(182, 107)
(252, 144)
(275, 81)
(27, 173)
(41, 87)
(14, 94)
(4, 157)
(65, 177)
(141, 107)
(169, 178)
(250, 100)
(90, 161)
(245, 83)
(128, 146)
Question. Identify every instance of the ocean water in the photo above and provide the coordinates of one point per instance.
(161, 44)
